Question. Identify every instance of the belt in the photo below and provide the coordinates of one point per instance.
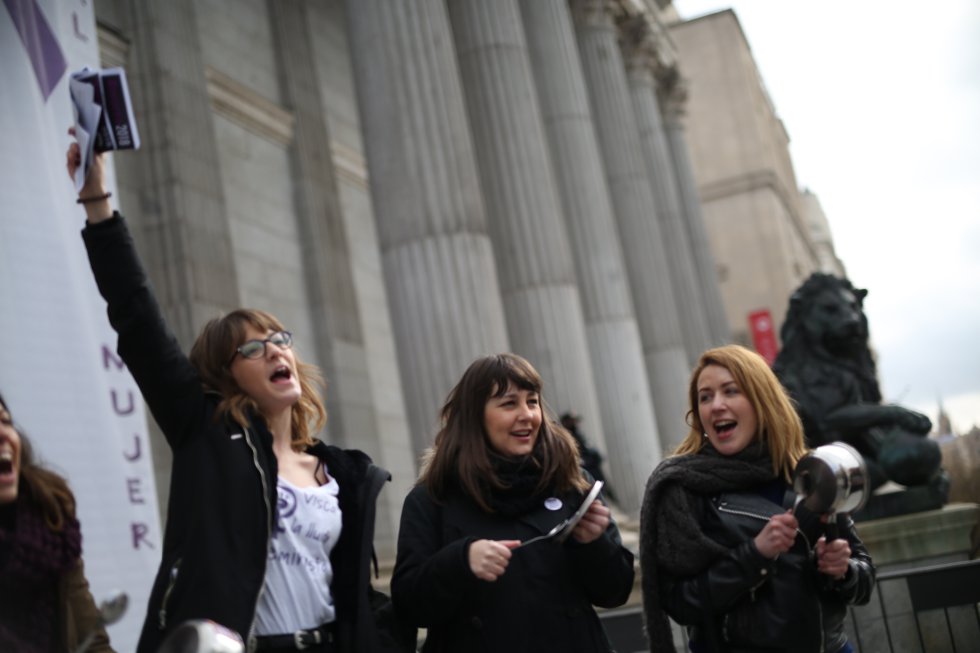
(320, 638)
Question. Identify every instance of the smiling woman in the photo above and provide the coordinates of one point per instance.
(512, 418)
(502, 470)
(720, 552)
(45, 602)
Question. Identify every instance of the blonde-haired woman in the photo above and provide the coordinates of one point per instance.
(720, 551)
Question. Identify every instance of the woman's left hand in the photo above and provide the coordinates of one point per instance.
(593, 524)
(833, 557)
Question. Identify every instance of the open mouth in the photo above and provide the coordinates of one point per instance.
(282, 373)
(725, 428)
(6, 463)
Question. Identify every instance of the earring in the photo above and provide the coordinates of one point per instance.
(705, 435)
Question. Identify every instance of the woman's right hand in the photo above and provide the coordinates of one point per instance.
(94, 183)
(489, 558)
(777, 536)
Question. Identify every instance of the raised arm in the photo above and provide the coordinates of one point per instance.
(93, 196)
(169, 383)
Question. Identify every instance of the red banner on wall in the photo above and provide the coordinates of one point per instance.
(764, 334)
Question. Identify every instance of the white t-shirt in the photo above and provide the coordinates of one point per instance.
(296, 594)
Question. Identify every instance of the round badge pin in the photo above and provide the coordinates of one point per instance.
(552, 503)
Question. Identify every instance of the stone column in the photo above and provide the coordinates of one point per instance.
(191, 262)
(633, 204)
(632, 442)
(181, 224)
(438, 260)
(327, 262)
(673, 99)
(640, 51)
(541, 300)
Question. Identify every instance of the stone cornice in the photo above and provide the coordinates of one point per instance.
(254, 112)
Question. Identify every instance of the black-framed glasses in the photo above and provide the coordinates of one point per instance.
(256, 348)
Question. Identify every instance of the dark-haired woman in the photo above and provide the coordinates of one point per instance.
(269, 530)
(720, 552)
(502, 471)
(45, 602)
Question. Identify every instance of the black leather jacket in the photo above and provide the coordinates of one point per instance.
(745, 602)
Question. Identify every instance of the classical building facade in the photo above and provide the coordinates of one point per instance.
(410, 185)
(766, 235)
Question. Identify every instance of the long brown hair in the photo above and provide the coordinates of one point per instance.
(778, 423)
(461, 453)
(46, 489)
(213, 352)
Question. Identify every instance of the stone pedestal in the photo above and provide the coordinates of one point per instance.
(902, 544)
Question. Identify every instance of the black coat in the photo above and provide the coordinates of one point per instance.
(743, 600)
(542, 602)
(223, 480)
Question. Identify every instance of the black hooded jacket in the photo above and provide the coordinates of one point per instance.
(223, 480)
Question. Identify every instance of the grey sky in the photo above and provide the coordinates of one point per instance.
(881, 101)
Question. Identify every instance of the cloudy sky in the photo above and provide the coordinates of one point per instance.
(881, 99)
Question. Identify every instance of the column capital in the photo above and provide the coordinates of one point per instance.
(638, 43)
(645, 44)
(673, 95)
(594, 13)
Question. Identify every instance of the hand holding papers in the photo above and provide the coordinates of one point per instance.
(103, 115)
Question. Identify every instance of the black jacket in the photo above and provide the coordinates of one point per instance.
(223, 481)
(746, 602)
(542, 602)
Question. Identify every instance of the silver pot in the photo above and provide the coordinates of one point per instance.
(202, 636)
(832, 478)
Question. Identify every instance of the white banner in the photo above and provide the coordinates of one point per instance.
(59, 374)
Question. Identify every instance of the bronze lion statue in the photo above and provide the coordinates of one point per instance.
(827, 367)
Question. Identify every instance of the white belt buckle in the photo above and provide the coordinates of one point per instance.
(298, 639)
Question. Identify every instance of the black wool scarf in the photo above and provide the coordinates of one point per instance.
(520, 477)
(32, 559)
(670, 534)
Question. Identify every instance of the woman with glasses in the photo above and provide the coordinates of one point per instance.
(501, 472)
(269, 531)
